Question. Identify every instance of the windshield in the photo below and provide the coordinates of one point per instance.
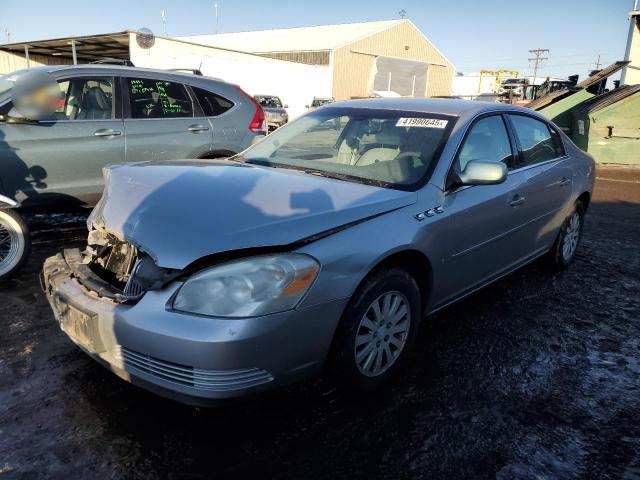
(386, 148)
(318, 102)
(269, 102)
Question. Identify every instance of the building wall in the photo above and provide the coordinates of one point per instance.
(10, 62)
(295, 83)
(354, 63)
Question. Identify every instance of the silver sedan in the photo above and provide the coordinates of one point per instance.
(321, 248)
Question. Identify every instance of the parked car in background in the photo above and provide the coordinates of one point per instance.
(513, 87)
(317, 247)
(107, 114)
(274, 110)
(319, 102)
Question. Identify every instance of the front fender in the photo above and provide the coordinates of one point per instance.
(6, 202)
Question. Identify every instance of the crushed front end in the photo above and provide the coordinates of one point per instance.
(115, 304)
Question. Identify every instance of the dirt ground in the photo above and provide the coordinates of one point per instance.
(536, 377)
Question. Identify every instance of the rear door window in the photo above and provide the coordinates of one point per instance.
(535, 139)
(150, 98)
(211, 103)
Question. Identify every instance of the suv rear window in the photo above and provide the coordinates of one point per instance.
(158, 99)
(211, 103)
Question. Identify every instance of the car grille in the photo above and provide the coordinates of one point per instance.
(210, 380)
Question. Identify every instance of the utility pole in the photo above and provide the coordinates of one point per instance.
(7, 34)
(537, 59)
(164, 23)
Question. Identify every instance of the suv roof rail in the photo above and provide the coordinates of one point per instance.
(114, 61)
(195, 71)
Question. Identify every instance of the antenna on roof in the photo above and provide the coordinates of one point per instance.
(402, 13)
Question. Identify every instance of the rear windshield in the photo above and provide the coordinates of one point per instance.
(268, 102)
(388, 148)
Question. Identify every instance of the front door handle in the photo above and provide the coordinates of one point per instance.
(517, 201)
(197, 128)
(107, 132)
(565, 181)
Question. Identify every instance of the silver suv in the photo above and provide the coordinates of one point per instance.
(105, 114)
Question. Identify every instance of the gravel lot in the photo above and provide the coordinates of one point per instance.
(536, 377)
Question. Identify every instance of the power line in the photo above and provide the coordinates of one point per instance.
(538, 59)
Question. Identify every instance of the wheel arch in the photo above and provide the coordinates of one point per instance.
(6, 202)
(585, 199)
(414, 262)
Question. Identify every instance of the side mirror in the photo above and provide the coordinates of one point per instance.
(478, 172)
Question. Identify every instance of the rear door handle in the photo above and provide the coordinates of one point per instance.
(197, 128)
(565, 181)
(107, 132)
(517, 200)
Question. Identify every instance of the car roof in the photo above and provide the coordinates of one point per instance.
(117, 69)
(445, 106)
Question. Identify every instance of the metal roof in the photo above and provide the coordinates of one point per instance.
(88, 47)
(586, 83)
(604, 73)
(613, 96)
(316, 38)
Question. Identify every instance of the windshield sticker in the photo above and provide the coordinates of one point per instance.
(422, 122)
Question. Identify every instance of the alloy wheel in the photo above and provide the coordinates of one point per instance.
(11, 245)
(571, 236)
(382, 333)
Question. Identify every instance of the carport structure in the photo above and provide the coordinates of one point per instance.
(66, 50)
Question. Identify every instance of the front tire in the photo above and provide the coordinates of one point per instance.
(15, 242)
(564, 249)
(377, 330)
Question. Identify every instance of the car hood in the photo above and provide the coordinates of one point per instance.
(182, 211)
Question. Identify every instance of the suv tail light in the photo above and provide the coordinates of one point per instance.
(258, 123)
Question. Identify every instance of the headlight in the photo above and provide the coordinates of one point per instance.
(249, 287)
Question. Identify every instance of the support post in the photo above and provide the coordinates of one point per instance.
(73, 51)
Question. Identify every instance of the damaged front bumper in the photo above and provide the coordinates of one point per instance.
(190, 358)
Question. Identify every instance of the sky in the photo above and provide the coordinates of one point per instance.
(473, 34)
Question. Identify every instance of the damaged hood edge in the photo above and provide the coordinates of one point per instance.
(181, 212)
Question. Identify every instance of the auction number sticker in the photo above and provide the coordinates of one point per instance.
(422, 122)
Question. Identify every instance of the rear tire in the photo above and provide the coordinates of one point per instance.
(15, 242)
(376, 332)
(564, 249)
